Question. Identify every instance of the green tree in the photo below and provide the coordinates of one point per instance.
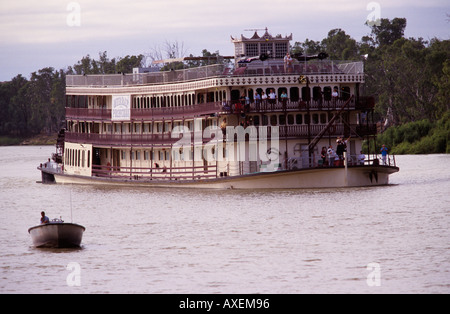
(308, 47)
(126, 64)
(388, 31)
(46, 98)
(406, 75)
(441, 79)
(87, 65)
(20, 108)
(339, 45)
(105, 65)
(14, 109)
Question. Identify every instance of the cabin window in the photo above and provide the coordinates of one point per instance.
(251, 50)
(307, 119)
(315, 118)
(267, 48)
(251, 94)
(210, 97)
(299, 119)
(290, 119)
(327, 93)
(281, 50)
(306, 93)
(273, 120)
(167, 127)
(256, 120)
(265, 120)
(317, 93)
(338, 118)
(282, 119)
(345, 93)
(294, 93)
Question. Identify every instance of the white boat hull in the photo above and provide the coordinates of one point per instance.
(333, 177)
(57, 235)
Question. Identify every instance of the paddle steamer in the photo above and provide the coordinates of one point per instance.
(213, 127)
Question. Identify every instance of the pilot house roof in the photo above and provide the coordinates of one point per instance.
(265, 37)
(274, 46)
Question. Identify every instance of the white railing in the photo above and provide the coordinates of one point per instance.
(258, 68)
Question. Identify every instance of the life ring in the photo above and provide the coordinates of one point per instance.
(332, 129)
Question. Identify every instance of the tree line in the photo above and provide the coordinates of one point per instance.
(37, 105)
(408, 76)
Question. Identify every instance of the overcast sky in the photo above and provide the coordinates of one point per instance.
(58, 33)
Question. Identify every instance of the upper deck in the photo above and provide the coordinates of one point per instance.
(317, 71)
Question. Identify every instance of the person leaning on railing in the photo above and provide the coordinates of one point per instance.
(361, 158)
(384, 152)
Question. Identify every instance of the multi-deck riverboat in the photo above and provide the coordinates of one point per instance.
(266, 120)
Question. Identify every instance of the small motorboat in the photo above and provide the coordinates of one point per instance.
(57, 234)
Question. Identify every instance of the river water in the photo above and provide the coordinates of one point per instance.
(390, 239)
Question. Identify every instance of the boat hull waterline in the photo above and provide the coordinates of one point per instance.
(331, 177)
(57, 235)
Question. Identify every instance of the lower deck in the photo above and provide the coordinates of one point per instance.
(105, 166)
(319, 177)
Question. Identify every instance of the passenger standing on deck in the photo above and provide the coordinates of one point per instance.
(339, 147)
(264, 99)
(223, 126)
(330, 153)
(284, 98)
(384, 152)
(288, 63)
(335, 95)
(272, 97)
(323, 155)
(257, 100)
(247, 104)
(361, 158)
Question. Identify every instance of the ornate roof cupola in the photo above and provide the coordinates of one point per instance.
(274, 46)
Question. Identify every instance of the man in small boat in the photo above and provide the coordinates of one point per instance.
(44, 219)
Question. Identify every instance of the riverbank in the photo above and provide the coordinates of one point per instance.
(40, 139)
(419, 137)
